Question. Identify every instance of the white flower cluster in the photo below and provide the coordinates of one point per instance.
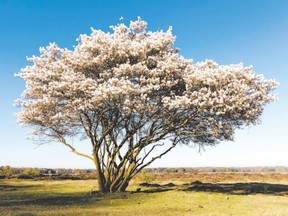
(139, 72)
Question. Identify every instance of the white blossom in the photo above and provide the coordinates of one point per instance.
(139, 72)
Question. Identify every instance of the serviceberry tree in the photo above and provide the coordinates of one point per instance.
(135, 98)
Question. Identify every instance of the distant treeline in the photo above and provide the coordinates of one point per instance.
(14, 172)
(44, 173)
(275, 169)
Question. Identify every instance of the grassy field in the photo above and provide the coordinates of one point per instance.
(151, 194)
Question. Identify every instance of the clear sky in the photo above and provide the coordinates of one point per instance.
(254, 32)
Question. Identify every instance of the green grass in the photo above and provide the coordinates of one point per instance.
(73, 197)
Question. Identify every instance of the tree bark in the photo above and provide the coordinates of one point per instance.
(100, 175)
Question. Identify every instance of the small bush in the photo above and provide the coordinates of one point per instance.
(146, 177)
(31, 172)
(6, 171)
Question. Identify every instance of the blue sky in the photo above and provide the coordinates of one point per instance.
(254, 32)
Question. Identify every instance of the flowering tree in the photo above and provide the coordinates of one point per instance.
(135, 98)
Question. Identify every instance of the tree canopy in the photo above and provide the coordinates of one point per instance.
(135, 98)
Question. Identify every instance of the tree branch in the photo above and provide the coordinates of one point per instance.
(62, 140)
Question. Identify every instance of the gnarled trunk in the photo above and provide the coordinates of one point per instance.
(109, 182)
(100, 176)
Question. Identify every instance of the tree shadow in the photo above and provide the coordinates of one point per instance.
(14, 195)
(238, 188)
(6, 187)
(56, 200)
(227, 188)
(13, 198)
(154, 188)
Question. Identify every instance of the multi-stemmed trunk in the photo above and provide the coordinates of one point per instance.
(115, 177)
(111, 182)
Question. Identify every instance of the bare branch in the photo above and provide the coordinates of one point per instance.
(62, 140)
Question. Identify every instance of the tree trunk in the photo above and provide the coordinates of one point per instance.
(123, 186)
(110, 187)
(100, 176)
